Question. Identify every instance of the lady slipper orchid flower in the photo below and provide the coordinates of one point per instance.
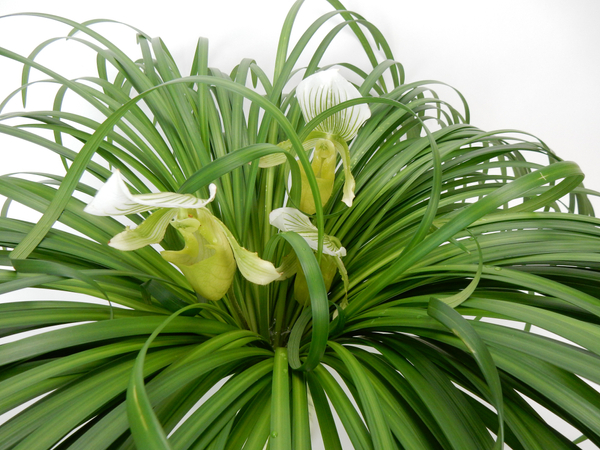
(316, 94)
(210, 254)
(290, 219)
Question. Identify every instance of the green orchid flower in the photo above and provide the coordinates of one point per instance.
(210, 255)
(291, 219)
(316, 94)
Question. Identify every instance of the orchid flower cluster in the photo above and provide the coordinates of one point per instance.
(211, 254)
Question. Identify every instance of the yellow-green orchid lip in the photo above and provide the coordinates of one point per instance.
(324, 90)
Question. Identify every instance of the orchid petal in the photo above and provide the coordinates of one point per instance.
(349, 182)
(290, 219)
(323, 90)
(114, 199)
(276, 159)
(150, 231)
(272, 160)
(252, 267)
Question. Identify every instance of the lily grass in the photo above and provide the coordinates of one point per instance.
(390, 312)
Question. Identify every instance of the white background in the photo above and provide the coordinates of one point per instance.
(530, 65)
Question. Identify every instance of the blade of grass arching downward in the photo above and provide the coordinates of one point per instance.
(436, 394)
(105, 329)
(61, 270)
(372, 409)
(75, 362)
(397, 75)
(575, 330)
(167, 386)
(331, 438)
(222, 404)
(552, 387)
(255, 415)
(224, 420)
(145, 427)
(459, 326)
(569, 172)
(357, 431)
(284, 37)
(56, 415)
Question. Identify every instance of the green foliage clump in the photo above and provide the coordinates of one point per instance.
(457, 247)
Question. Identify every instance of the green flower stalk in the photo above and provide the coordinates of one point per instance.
(211, 253)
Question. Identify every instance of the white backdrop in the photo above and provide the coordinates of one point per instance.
(531, 65)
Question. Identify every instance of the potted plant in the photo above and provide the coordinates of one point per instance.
(329, 251)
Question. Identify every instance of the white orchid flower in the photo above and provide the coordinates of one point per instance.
(291, 219)
(316, 94)
(211, 253)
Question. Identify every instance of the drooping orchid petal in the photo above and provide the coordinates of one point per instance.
(150, 231)
(251, 266)
(290, 219)
(324, 90)
(114, 199)
(349, 184)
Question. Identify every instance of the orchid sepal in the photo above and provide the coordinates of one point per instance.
(114, 199)
(349, 183)
(291, 219)
(323, 90)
